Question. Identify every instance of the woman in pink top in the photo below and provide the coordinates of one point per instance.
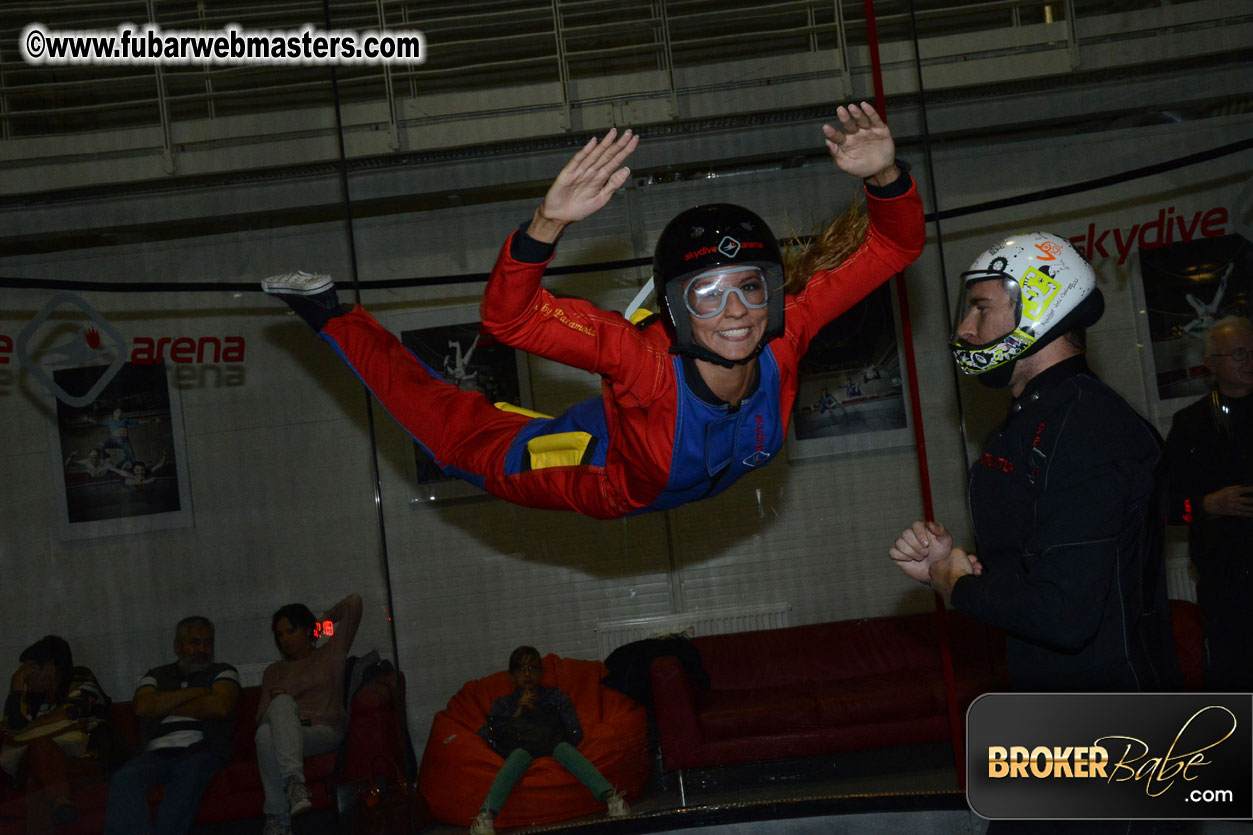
(301, 712)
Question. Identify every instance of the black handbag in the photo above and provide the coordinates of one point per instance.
(383, 804)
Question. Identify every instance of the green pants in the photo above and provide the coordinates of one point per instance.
(519, 761)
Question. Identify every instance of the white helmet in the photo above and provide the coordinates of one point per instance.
(1052, 288)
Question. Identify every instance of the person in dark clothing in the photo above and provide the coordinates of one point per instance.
(1063, 498)
(1209, 460)
(530, 722)
(186, 711)
(52, 730)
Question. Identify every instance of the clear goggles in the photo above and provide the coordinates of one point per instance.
(706, 294)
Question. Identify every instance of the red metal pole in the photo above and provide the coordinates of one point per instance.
(920, 441)
(876, 70)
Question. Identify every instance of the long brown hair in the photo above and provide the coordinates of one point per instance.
(827, 249)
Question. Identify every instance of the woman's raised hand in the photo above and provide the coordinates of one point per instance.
(585, 185)
(862, 145)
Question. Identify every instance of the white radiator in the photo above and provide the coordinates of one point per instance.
(250, 674)
(614, 633)
(1179, 582)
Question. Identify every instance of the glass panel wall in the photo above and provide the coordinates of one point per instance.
(182, 444)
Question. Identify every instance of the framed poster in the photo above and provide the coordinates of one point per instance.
(1186, 287)
(852, 391)
(449, 342)
(120, 459)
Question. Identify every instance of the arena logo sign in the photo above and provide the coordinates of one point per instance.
(43, 346)
(184, 350)
(1167, 228)
(203, 362)
(6, 374)
(146, 350)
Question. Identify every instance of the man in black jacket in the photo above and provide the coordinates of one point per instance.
(1064, 498)
(1209, 458)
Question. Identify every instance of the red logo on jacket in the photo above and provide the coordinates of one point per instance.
(993, 462)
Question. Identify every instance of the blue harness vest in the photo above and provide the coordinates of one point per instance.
(714, 446)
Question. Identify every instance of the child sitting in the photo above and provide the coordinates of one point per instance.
(531, 722)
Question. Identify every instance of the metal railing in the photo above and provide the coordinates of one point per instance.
(655, 48)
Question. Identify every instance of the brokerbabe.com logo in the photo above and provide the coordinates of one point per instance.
(1110, 755)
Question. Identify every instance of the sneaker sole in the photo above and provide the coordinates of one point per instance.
(303, 289)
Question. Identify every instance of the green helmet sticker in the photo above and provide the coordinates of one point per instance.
(1038, 292)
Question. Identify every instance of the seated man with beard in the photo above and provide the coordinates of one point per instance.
(187, 720)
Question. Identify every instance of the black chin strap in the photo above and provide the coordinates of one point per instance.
(699, 352)
(998, 378)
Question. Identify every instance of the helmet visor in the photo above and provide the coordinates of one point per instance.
(986, 334)
(987, 310)
(705, 295)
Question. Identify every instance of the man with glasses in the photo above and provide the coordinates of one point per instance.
(692, 399)
(1209, 454)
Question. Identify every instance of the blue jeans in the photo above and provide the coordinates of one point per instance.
(124, 444)
(185, 775)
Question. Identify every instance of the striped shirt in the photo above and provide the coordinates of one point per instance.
(178, 732)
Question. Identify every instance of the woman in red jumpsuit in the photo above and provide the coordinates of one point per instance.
(692, 398)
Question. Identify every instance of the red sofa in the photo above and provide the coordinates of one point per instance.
(809, 690)
(827, 687)
(376, 728)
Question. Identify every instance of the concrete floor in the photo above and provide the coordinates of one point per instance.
(908, 789)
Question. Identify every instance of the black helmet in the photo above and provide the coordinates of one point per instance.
(706, 238)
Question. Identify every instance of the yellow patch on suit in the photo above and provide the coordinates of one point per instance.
(639, 316)
(509, 407)
(561, 449)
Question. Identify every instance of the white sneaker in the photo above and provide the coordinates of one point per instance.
(298, 799)
(618, 807)
(274, 826)
(482, 825)
(299, 283)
